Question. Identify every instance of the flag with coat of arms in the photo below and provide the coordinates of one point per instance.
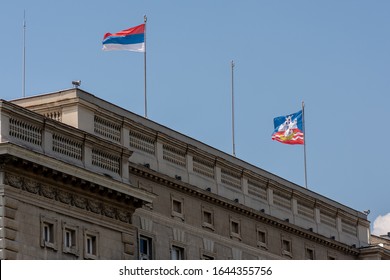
(289, 129)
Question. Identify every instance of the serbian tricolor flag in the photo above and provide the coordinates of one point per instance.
(132, 39)
(289, 129)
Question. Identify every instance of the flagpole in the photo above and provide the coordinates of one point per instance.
(233, 136)
(146, 106)
(304, 140)
(24, 55)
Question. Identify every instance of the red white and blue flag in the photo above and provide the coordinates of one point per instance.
(289, 129)
(132, 39)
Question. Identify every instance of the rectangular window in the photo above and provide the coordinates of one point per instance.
(49, 232)
(177, 253)
(286, 247)
(235, 227)
(176, 205)
(262, 238)
(145, 248)
(208, 218)
(69, 239)
(309, 254)
(91, 245)
(177, 209)
(235, 230)
(69, 236)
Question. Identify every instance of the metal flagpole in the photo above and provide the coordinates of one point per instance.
(234, 144)
(304, 140)
(24, 56)
(146, 104)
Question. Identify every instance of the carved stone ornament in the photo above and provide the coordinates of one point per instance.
(95, 206)
(109, 211)
(64, 197)
(51, 192)
(48, 191)
(14, 180)
(80, 202)
(124, 216)
(31, 186)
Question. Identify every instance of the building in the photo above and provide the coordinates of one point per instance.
(378, 249)
(82, 178)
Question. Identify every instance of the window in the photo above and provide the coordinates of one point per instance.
(309, 254)
(145, 248)
(70, 244)
(286, 247)
(262, 238)
(48, 232)
(235, 230)
(69, 239)
(208, 218)
(91, 245)
(177, 253)
(235, 227)
(177, 208)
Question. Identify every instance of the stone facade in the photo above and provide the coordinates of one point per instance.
(104, 183)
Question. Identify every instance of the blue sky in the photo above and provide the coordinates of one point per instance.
(333, 55)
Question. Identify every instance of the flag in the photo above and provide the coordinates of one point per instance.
(289, 129)
(132, 39)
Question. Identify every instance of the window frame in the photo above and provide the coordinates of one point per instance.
(51, 225)
(74, 233)
(149, 254)
(235, 234)
(174, 212)
(287, 252)
(180, 250)
(263, 243)
(93, 237)
(310, 250)
(208, 223)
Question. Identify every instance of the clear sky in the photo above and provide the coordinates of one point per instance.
(333, 55)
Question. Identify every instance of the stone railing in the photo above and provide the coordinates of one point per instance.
(42, 134)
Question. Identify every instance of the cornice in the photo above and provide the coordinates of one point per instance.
(148, 132)
(229, 166)
(177, 144)
(202, 155)
(255, 177)
(304, 199)
(276, 186)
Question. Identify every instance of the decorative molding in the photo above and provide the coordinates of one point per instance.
(68, 197)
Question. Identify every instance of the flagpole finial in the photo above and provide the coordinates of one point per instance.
(145, 18)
